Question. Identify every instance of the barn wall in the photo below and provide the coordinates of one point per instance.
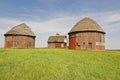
(100, 42)
(51, 45)
(86, 40)
(57, 45)
(89, 40)
(19, 42)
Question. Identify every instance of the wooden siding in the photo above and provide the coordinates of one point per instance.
(19, 42)
(57, 45)
(87, 40)
(51, 45)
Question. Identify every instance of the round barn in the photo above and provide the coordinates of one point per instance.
(87, 34)
(20, 36)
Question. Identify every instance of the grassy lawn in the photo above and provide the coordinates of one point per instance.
(59, 64)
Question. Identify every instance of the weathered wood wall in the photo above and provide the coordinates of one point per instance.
(87, 40)
(56, 45)
(19, 42)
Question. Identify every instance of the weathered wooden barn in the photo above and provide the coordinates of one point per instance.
(20, 36)
(87, 34)
(57, 41)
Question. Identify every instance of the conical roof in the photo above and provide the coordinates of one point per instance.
(21, 29)
(86, 24)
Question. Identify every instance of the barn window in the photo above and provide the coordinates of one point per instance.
(90, 45)
(78, 44)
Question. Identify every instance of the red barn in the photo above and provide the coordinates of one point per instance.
(87, 34)
(58, 41)
(20, 36)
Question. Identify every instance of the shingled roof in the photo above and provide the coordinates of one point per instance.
(86, 24)
(57, 38)
(21, 29)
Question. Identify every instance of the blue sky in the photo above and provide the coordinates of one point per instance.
(48, 17)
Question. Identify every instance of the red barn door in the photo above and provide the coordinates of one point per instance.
(57, 45)
(72, 43)
(8, 44)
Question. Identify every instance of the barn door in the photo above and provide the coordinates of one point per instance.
(57, 45)
(72, 43)
(8, 44)
(90, 45)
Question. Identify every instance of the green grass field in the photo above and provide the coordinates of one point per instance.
(59, 64)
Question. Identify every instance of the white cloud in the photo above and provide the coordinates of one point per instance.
(112, 17)
(109, 21)
(42, 29)
(62, 25)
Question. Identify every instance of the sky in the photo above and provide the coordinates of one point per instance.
(48, 17)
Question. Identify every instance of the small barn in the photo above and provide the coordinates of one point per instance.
(20, 36)
(87, 34)
(57, 41)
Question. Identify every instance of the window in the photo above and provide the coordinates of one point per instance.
(90, 45)
(78, 44)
